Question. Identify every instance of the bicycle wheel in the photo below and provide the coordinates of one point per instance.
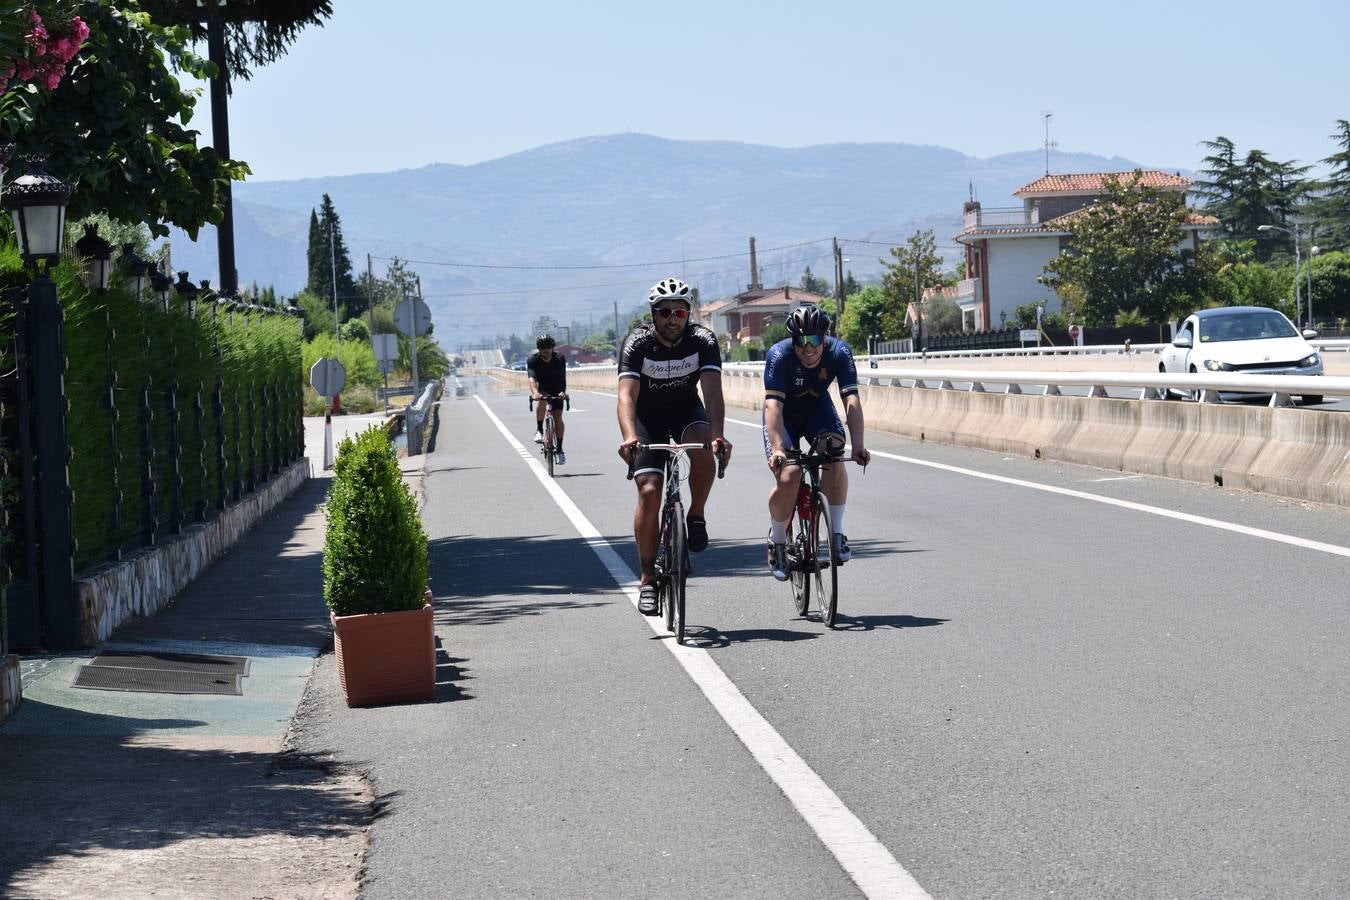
(827, 564)
(663, 570)
(548, 443)
(679, 569)
(797, 560)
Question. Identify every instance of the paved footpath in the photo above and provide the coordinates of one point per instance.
(114, 794)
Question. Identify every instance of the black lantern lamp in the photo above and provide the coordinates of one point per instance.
(160, 285)
(187, 292)
(38, 203)
(97, 256)
(136, 269)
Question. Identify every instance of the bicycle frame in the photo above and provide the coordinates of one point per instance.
(672, 548)
(549, 449)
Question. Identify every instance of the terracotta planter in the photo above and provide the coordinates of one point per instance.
(386, 657)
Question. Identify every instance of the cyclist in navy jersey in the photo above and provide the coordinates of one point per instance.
(797, 374)
(661, 370)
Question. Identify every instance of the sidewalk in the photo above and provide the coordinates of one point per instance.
(121, 794)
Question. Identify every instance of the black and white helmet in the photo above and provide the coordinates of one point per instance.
(669, 289)
(808, 319)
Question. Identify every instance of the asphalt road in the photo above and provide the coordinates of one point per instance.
(1031, 691)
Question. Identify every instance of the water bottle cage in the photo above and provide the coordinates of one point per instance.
(804, 505)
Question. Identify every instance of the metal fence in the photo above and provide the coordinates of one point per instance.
(169, 412)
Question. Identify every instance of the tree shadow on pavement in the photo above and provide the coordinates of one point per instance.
(466, 569)
(77, 802)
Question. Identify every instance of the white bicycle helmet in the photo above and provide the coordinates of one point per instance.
(669, 289)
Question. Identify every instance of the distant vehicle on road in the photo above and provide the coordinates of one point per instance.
(518, 366)
(1252, 340)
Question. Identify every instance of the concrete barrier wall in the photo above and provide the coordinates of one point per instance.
(1291, 452)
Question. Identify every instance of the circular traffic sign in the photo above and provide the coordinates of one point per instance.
(1073, 332)
(412, 317)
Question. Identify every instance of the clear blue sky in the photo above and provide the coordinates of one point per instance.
(404, 83)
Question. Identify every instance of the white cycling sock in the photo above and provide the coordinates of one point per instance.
(777, 531)
(837, 518)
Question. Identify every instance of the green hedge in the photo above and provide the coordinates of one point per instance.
(152, 359)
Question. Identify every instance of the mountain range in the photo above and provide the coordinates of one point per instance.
(603, 209)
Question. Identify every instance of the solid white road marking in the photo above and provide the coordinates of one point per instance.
(1263, 534)
(863, 857)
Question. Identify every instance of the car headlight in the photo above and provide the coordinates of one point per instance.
(1215, 366)
(1311, 359)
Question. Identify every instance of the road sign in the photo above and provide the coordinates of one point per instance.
(1028, 335)
(1073, 333)
(412, 317)
(328, 377)
(385, 366)
(385, 347)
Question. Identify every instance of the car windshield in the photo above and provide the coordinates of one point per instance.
(1245, 326)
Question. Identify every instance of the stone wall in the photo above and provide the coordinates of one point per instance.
(142, 584)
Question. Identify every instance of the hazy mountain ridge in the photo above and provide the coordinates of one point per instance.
(617, 199)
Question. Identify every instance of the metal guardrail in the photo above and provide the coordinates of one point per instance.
(415, 417)
(1326, 346)
(1205, 387)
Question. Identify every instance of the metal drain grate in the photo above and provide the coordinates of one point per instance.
(178, 662)
(157, 681)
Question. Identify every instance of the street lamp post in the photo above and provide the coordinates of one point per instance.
(137, 270)
(37, 202)
(97, 256)
(1297, 233)
(1312, 251)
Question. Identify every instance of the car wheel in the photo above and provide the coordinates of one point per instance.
(1193, 396)
(1310, 399)
(1163, 393)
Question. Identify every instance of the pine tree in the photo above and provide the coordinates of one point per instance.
(1332, 208)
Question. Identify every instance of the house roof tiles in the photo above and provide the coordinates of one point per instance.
(1094, 182)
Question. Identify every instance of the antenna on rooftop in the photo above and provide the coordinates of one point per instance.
(1046, 114)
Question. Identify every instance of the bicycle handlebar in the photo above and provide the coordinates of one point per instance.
(674, 448)
(811, 458)
(566, 399)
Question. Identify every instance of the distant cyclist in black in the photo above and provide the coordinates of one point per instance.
(661, 369)
(548, 375)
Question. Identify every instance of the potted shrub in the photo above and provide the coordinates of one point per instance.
(375, 577)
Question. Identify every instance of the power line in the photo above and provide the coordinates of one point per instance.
(641, 265)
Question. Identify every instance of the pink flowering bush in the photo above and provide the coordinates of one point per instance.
(50, 47)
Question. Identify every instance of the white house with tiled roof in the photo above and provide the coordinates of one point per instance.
(1006, 249)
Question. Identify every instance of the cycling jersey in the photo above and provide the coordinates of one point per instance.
(551, 376)
(797, 387)
(668, 376)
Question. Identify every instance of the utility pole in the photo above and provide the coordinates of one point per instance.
(332, 260)
(838, 286)
(415, 393)
(370, 295)
(918, 297)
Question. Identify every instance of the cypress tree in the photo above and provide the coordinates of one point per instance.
(316, 259)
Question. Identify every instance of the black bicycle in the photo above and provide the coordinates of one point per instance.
(672, 553)
(550, 447)
(812, 555)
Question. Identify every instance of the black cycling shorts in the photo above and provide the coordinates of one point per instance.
(555, 402)
(661, 425)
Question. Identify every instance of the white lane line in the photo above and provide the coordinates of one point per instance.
(862, 856)
(1291, 540)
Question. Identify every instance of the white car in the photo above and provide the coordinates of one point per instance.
(1252, 340)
